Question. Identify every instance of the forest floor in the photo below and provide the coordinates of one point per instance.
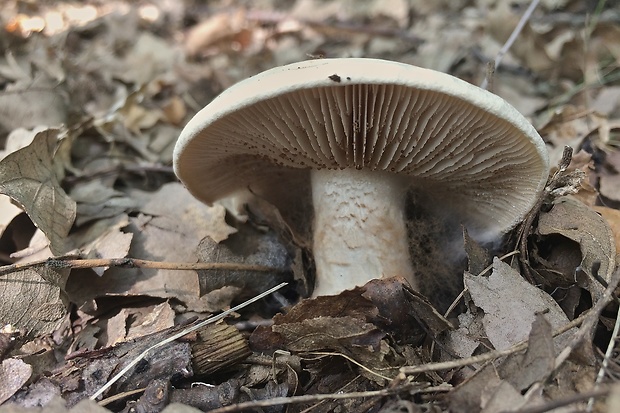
(112, 270)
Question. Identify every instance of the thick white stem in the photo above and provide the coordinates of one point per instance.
(359, 229)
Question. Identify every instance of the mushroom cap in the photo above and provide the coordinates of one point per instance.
(463, 147)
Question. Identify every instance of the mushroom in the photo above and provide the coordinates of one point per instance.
(338, 145)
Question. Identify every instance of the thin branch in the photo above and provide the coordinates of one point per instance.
(281, 401)
(513, 36)
(63, 263)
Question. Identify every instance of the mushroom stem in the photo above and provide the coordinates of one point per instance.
(359, 228)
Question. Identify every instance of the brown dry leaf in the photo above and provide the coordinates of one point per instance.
(132, 323)
(498, 386)
(247, 246)
(14, 373)
(607, 101)
(464, 341)
(32, 102)
(173, 207)
(114, 243)
(8, 211)
(612, 216)
(568, 126)
(510, 305)
(171, 225)
(31, 177)
(609, 178)
(34, 300)
(148, 320)
(354, 324)
(467, 396)
(341, 334)
(529, 45)
(150, 56)
(537, 363)
(613, 399)
(175, 110)
(95, 201)
(348, 336)
(215, 29)
(502, 398)
(575, 221)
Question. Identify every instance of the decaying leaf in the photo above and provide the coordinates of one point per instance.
(575, 221)
(14, 373)
(33, 300)
(498, 386)
(31, 102)
(8, 211)
(537, 363)
(96, 201)
(510, 305)
(170, 227)
(355, 325)
(612, 216)
(31, 178)
(248, 245)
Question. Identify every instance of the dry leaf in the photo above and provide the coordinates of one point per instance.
(170, 227)
(510, 305)
(612, 216)
(29, 103)
(8, 211)
(95, 200)
(14, 373)
(537, 363)
(502, 398)
(31, 177)
(34, 300)
(575, 221)
(215, 29)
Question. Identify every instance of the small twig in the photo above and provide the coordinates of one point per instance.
(180, 334)
(280, 401)
(513, 36)
(490, 77)
(62, 263)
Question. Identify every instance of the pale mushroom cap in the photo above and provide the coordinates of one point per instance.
(461, 146)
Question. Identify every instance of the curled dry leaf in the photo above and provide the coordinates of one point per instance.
(572, 219)
(31, 177)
